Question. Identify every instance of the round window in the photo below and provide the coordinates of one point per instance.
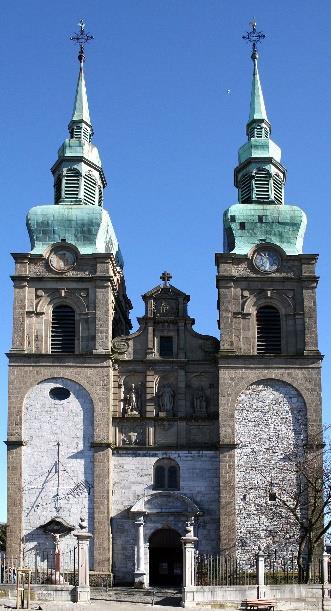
(58, 393)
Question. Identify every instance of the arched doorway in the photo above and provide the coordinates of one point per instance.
(165, 558)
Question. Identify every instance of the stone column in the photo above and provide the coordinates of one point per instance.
(260, 574)
(82, 591)
(188, 542)
(140, 573)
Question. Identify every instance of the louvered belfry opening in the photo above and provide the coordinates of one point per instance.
(90, 186)
(246, 188)
(268, 331)
(63, 329)
(262, 185)
(71, 184)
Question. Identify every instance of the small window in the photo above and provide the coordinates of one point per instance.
(272, 496)
(63, 329)
(260, 218)
(166, 474)
(58, 393)
(242, 225)
(232, 218)
(160, 478)
(166, 346)
(268, 331)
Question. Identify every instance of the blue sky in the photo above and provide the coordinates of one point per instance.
(168, 131)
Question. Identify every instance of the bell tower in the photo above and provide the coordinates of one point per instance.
(70, 302)
(269, 362)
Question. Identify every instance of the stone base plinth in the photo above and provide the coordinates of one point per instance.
(82, 594)
(139, 579)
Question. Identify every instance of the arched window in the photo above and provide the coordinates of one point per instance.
(268, 331)
(278, 188)
(63, 329)
(71, 184)
(90, 188)
(262, 185)
(166, 474)
(58, 188)
(246, 188)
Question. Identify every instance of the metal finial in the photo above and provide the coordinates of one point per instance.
(253, 37)
(165, 277)
(81, 38)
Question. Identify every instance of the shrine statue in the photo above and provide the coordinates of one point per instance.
(200, 402)
(166, 399)
(132, 401)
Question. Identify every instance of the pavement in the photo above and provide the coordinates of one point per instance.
(95, 605)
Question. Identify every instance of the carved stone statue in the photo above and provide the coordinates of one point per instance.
(166, 399)
(200, 402)
(132, 407)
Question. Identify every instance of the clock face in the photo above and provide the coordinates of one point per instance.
(267, 260)
(62, 259)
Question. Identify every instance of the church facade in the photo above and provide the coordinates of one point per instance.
(136, 434)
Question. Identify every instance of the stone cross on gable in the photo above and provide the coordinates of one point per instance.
(165, 277)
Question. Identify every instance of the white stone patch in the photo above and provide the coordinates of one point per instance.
(271, 426)
(50, 487)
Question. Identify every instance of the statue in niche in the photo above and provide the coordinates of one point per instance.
(166, 400)
(199, 402)
(132, 402)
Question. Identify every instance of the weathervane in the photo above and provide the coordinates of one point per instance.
(253, 37)
(81, 38)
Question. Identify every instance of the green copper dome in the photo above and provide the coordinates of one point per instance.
(89, 228)
(246, 226)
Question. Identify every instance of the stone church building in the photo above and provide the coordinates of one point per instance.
(139, 433)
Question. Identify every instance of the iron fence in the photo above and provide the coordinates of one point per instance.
(215, 570)
(285, 570)
(46, 567)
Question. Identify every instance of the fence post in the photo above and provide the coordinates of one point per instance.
(260, 574)
(325, 566)
(83, 539)
(188, 542)
(140, 573)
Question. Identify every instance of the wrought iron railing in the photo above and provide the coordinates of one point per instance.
(215, 570)
(44, 567)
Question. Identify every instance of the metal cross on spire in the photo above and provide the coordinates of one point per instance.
(81, 38)
(165, 277)
(253, 37)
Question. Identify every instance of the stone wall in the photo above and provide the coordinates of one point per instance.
(133, 478)
(52, 487)
(271, 428)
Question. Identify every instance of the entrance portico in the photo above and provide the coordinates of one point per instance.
(160, 521)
